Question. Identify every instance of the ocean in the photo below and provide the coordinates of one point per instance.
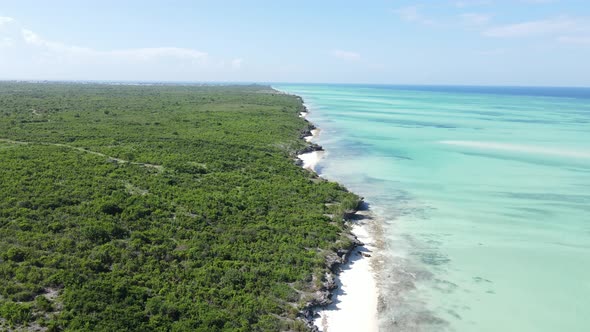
(482, 196)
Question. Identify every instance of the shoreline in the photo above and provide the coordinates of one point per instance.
(353, 305)
(355, 301)
(309, 160)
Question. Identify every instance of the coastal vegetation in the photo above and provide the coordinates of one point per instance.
(160, 208)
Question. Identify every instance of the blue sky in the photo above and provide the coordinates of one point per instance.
(482, 42)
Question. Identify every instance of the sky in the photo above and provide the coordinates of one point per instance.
(477, 42)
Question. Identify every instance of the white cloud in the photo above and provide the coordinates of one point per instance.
(6, 42)
(237, 63)
(583, 40)
(5, 20)
(472, 3)
(413, 14)
(26, 54)
(346, 55)
(560, 25)
(492, 52)
(537, 1)
(142, 54)
(33, 39)
(475, 18)
(156, 52)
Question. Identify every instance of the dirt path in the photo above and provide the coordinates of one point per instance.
(119, 160)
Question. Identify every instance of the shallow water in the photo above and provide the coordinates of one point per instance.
(484, 194)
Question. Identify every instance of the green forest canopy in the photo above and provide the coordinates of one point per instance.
(159, 207)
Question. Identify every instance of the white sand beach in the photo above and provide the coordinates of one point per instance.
(311, 159)
(355, 300)
(314, 133)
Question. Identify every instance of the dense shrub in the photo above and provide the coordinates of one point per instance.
(173, 208)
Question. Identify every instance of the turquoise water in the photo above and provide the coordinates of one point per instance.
(483, 194)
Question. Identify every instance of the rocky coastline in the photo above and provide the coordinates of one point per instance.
(323, 296)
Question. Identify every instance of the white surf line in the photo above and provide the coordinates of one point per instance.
(520, 148)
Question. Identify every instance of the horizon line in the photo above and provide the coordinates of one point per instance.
(180, 82)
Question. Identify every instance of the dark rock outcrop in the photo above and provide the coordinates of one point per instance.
(306, 132)
(310, 148)
(323, 297)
